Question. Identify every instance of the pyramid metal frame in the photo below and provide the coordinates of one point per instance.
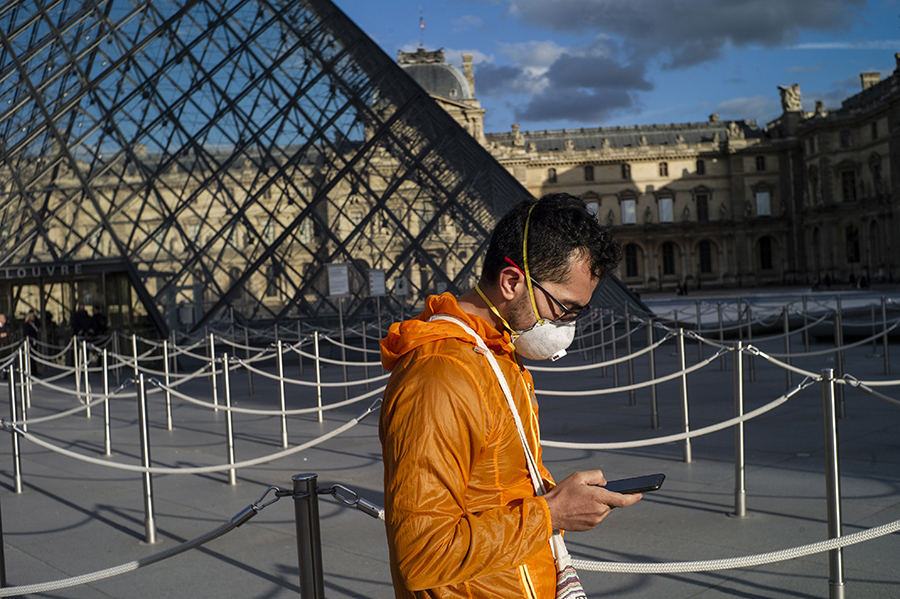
(223, 153)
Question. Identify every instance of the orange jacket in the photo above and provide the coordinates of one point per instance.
(461, 516)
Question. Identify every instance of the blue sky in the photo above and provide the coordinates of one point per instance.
(551, 64)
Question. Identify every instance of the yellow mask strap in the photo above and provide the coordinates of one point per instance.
(525, 265)
(493, 308)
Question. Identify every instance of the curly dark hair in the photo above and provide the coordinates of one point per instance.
(560, 225)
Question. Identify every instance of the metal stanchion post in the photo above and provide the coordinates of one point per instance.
(144, 423)
(651, 361)
(212, 365)
(28, 372)
(247, 357)
(107, 437)
(740, 492)
(751, 366)
(309, 538)
(686, 447)
(13, 416)
(87, 380)
(787, 347)
(318, 374)
(839, 355)
(168, 384)
(833, 484)
(229, 422)
(77, 362)
(721, 334)
(699, 330)
(284, 433)
(133, 349)
(631, 398)
(174, 354)
(884, 338)
(21, 356)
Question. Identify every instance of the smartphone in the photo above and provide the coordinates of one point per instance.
(638, 484)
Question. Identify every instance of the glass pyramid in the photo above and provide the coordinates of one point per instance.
(218, 155)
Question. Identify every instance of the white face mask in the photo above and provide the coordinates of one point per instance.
(547, 339)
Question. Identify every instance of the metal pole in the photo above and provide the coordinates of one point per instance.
(87, 380)
(699, 330)
(750, 363)
(740, 492)
(166, 377)
(805, 326)
(833, 485)
(21, 357)
(107, 437)
(309, 538)
(13, 415)
(134, 349)
(229, 424)
(839, 356)
(721, 335)
(174, 354)
(651, 361)
(77, 361)
(884, 339)
(318, 374)
(686, 448)
(631, 398)
(343, 349)
(787, 347)
(212, 364)
(144, 422)
(284, 433)
(28, 372)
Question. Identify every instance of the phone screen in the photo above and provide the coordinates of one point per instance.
(638, 484)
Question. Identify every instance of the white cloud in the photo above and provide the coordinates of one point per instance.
(466, 23)
(849, 45)
(454, 56)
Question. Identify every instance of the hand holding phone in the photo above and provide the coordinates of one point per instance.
(637, 484)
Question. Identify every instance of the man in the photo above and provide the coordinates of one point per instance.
(82, 323)
(461, 513)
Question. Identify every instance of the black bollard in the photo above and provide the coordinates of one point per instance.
(309, 540)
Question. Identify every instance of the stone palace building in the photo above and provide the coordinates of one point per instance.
(808, 198)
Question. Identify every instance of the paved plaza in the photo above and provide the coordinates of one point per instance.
(74, 517)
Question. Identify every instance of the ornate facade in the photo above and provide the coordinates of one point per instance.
(806, 199)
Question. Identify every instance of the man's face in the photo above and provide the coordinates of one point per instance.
(575, 293)
(2, 318)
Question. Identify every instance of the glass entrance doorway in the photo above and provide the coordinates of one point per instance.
(54, 301)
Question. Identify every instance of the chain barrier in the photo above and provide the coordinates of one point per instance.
(739, 562)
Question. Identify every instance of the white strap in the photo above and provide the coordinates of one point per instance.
(560, 553)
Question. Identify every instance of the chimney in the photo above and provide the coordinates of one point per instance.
(869, 79)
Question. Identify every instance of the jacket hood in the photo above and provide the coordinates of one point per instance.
(404, 337)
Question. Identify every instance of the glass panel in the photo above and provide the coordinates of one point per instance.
(665, 210)
(629, 213)
(762, 203)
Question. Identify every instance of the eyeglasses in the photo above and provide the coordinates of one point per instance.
(567, 313)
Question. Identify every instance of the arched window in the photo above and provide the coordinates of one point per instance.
(760, 163)
(626, 171)
(701, 167)
(668, 258)
(631, 260)
(551, 175)
(704, 248)
(589, 173)
(765, 253)
(663, 169)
